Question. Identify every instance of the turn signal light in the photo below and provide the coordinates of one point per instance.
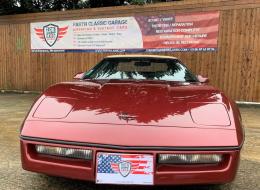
(64, 152)
(190, 158)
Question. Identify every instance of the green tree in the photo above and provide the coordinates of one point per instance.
(30, 6)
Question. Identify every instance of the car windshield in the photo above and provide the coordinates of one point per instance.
(141, 69)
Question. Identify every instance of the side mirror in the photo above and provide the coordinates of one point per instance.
(79, 76)
(202, 79)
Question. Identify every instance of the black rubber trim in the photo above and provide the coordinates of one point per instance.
(107, 146)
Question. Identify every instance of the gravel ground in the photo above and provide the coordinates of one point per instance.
(13, 108)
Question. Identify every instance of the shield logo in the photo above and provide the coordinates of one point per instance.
(124, 168)
(50, 33)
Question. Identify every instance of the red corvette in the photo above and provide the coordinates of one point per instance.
(138, 120)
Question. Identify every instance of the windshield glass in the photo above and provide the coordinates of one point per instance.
(141, 69)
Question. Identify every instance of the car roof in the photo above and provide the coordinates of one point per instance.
(140, 56)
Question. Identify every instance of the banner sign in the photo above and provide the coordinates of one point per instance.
(161, 33)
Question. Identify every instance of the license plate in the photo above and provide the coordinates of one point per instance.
(133, 169)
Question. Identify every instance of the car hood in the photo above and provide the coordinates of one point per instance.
(155, 103)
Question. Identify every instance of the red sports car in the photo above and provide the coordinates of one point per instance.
(134, 119)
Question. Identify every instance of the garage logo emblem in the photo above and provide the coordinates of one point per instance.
(124, 168)
(51, 33)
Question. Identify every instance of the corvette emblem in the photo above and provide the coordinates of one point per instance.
(124, 168)
(51, 33)
(126, 117)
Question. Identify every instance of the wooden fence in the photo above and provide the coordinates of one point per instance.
(234, 68)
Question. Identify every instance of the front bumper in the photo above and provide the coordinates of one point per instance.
(164, 174)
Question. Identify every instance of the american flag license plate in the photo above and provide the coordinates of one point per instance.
(135, 169)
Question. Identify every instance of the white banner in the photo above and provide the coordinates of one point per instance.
(196, 31)
(89, 34)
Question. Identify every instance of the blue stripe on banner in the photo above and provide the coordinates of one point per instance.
(124, 51)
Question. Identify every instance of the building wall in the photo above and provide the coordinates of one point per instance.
(234, 68)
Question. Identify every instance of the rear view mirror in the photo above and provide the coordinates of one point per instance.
(202, 79)
(79, 76)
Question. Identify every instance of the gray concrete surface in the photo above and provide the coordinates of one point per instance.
(13, 108)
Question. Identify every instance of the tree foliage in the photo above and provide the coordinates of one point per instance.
(31, 6)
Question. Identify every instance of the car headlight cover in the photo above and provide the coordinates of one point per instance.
(209, 114)
(54, 108)
(64, 152)
(190, 158)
